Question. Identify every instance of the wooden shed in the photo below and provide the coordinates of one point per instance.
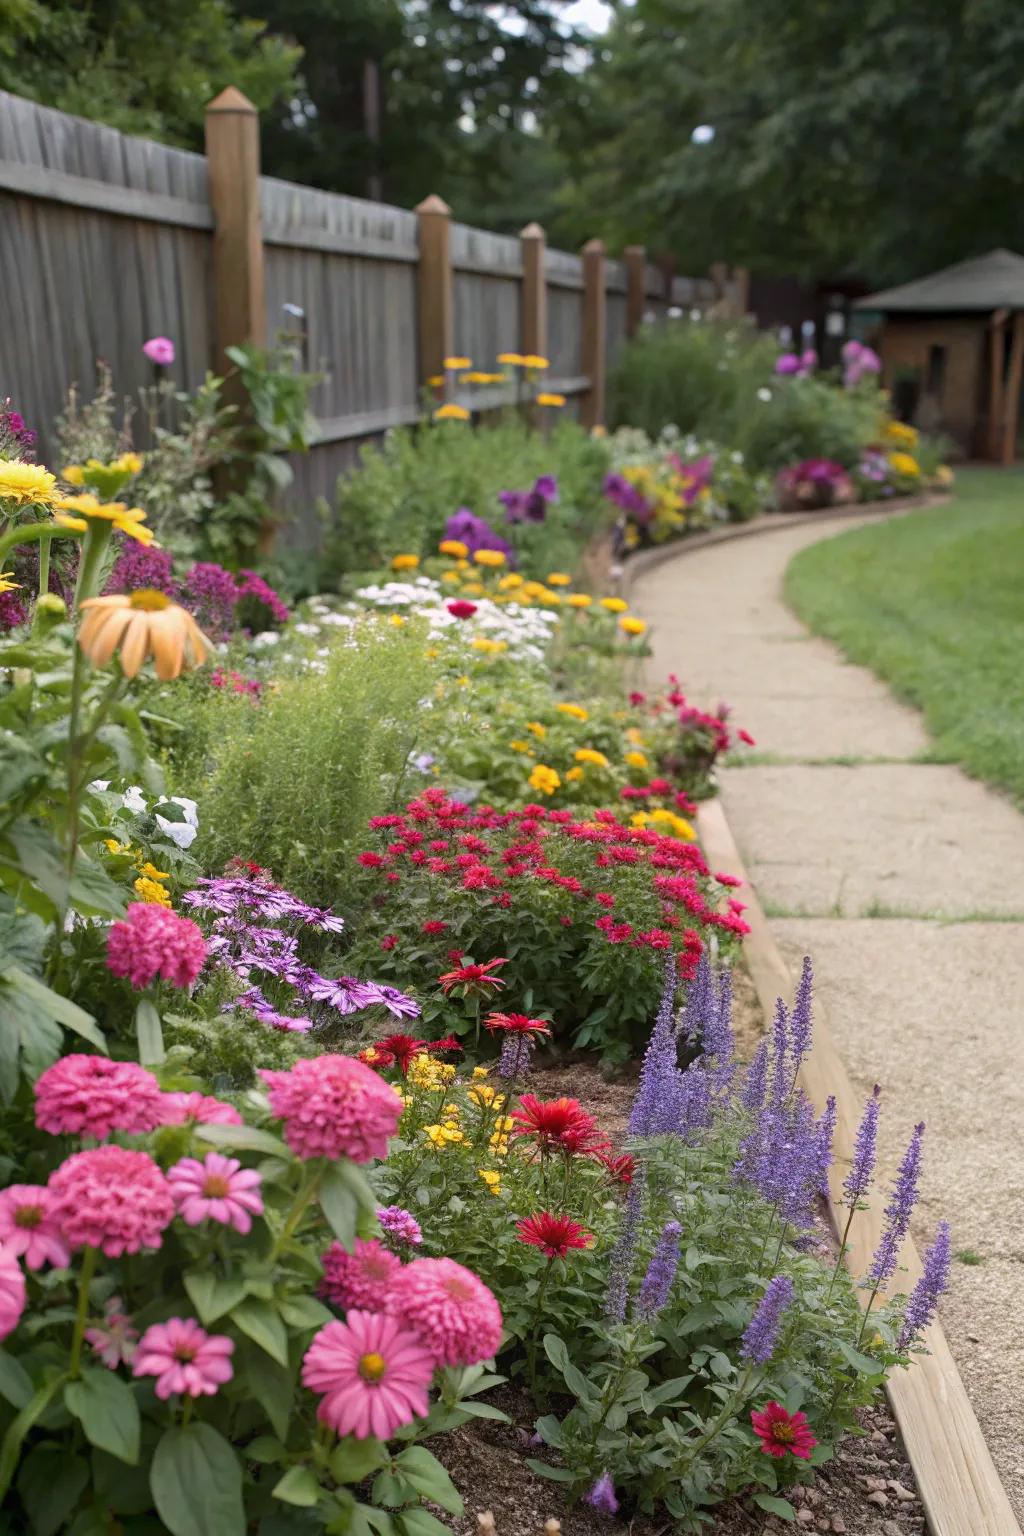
(952, 349)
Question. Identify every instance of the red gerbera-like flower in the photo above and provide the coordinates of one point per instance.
(783, 1434)
(397, 1050)
(474, 979)
(460, 609)
(620, 1168)
(449, 1043)
(516, 1024)
(553, 1235)
(558, 1125)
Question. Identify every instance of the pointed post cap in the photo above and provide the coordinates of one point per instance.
(433, 204)
(231, 99)
(594, 247)
(532, 231)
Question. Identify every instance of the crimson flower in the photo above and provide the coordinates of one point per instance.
(516, 1024)
(449, 1043)
(620, 1168)
(460, 609)
(474, 979)
(783, 1434)
(558, 1125)
(396, 1050)
(553, 1235)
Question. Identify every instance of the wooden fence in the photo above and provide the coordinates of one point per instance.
(107, 240)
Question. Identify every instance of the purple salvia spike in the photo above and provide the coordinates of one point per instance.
(623, 1255)
(780, 1053)
(701, 1005)
(656, 1285)
(898, 1212)
(826, 1134)
(762, 1332)
(756, 1080)
(858, 1180)
(800, 1024)
(657, 1074)
(924, 1298)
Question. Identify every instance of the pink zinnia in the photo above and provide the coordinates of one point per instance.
(159, 350)
(453, 1312)
(198, 1109)
(12, 1292)
(361, 1278)
(373, 1372)
(27, 1227)
(184, 1358)
(153, 941)
(334, 1106)
(111, 1198)
(115, 1343)
(92, 1096)
(216, 1189)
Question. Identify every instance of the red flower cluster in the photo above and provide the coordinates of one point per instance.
(553, 1235)
(559, 1125)
(783, 1434)
(475, 980)
(516, 1024)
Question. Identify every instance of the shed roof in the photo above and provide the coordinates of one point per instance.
(982, 283)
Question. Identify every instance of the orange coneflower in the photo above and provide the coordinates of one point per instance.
(142, 624)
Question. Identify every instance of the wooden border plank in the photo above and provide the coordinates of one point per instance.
(101, 197)
(956, 1476)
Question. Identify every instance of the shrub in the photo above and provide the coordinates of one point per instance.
(689, 374)
(794, 419)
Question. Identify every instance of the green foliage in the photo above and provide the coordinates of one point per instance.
(807, 418)
(694, 375)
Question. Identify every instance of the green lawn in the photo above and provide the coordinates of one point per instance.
(934, 604)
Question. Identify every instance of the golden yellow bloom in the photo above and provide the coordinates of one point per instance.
(396, 619)
(141, 624)
(536, 729)
(631, 626)
(573, 774)
(151, 891)
(579, 600)
(76, 512)
(492, 1178)
(498, 1145)
(432, 653)
(504, 1124)
(486, 1096)
(900, 432)
(559, 579)
(436, 380)
(636, 760)
(404, 562)
(451, 413)
(521, 746)
(531, 360)
(113, 846)
(549, 599)
(463, 565)
(677, 825)
(458, 362)
(634, 735)
(463, 682)
(544, 779)
(510, 582)
(74, 474)
(511, 359)
(152, 873)
(8, 583)
(481, 1072)
(451, 578)
(27, 485)
(556, 401)
(493, 557)
(614, 604)
(588, 755)
(599, 431)
(126, 463)
(489, 647)
(472, 589)
(455, 548)
(944, 475)
(575, 710)
(904, 464)
(440, 1135)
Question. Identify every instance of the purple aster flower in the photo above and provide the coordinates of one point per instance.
(602, 1495)
(342, 993)
(762, 1332)
(858, 1180)
(756, 1081)
(476, 534)
(902, 1200)
(400, 1225)
(924, 1298)
(620, 1263)
(397, 1004)
(652, 1105)
(656, 1285)
(787, 363)
(254, 1002)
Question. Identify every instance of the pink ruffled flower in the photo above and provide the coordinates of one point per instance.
(184, 1358)
(115, 1343)
(361, 1278)
(216, 1189)
(27, 1227)
(12, 1292)
(374, 1374)
(159, 350)
(153, 941)
(92, 1096)
(334, 1106)
(198, 1109)
(111, 1198)
(453, 1312)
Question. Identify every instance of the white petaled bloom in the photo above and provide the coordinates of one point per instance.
(306, 629)
(764, 394)
(134, 800)
(265, 639)
(181, 833)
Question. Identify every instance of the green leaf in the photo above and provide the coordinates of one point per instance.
(665, 1392)
(354, 1460)
(272, 1387)
(261, 1322)
(420, 1522)
(553, 1474)
(15, 1382)
(19, 1428)
(550, 1430)
(213, 1295)
(304, 1312)
(556, 1351)
(430, 1479)
(106, 1407)
(243, 1138)
(196, 1482)
(482, 1411)
(298, 1486)
(265, 1449)
(93, 892)
(50, 1483)
(61, 1009)
(366, 1520)
(392, 1490)
(339, 1205)
(149, 1033)
(774, 1506)
(861, 1363)
(355, 1180)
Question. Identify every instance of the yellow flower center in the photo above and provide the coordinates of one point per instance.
(215, 1187)
(149, 600)
(372, 1367)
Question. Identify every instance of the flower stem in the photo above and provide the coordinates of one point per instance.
(186, 1410)
(531, 1343)
(44, 565)
(82, 1312)
(307, 1191)
(842, 1253)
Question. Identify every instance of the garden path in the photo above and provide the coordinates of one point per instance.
(904, 881)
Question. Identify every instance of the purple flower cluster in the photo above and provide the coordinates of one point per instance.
(516, 1057)
(654, 1102)
(400, 1225)
(656, 1286)
(762, 1332)
(924, 1298)
(12, 611)
(623, 1255)
(530, 506)
(859, 362)
(136, 566)
(602, 1495)
(902, 1200)
(796, 364)
(632, 501)
(476, 533)
(16, 440)
(210, 593)
(858, 1180)
(254, 594)
(695, 475)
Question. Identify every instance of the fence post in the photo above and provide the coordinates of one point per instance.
(592, 347)
(436, 298)
(668, 277)
(741, 280)
(233, 167)
(534, 337)
(635, 257)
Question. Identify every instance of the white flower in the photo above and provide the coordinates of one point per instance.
(181, 833)
(764, 394)
(134, 800)
(265, 639)
(306, 629)
(97, 786)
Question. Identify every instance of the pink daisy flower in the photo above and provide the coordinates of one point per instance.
(216, 1189)
(115, 1342)
(28, 1230)
(153, 941)
(453, 1312)
(334, 1106)
(198, 1109)
(111, 1198)
(92, 1096)
(12, 1292)
(361, 1278)
(184, 1358)
(373, 1372)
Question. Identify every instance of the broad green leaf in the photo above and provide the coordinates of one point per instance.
(482, 1411)
(196, 1482)
(339, 1205)
(553, 1474)
(354, 1179)
(50, 1482)
(15, 1383)
(420, 1522)
(62, 1009)
(265, 1449)
(19, 1428)
(243, 1138)
(556, 1351)
(298, 1486)
(550, 1430)
(213, 1295)
(149, 1033)
(262, 1323)
(775, 1506)
(271, 1386)
(430, 1479)
(106, 1408)
(861, 1363)
(354, 1460)
(304, 1312)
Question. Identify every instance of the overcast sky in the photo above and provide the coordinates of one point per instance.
(592, 14)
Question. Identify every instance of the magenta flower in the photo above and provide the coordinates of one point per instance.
(114, 1343)
(92, 1096)
(400, 1225)
(198, 1109)
(334, 1106)
(152, 941)
(373, 1372)
(216, 1189)
(453, 1312)
(12, 1292)
(184, 1358)
(360, 1278)
(27, 1227)
(159, 350)
(111, 1198)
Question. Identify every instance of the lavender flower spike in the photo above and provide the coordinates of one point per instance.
(825, 1136)
(762, 1331)
(620, 1263)
(800, 1025)
(602, 1495)
(661, 1272)
(756, 1080)
(780, 1053)
(924, 1298)
(657, 1074)
(898, 1212)
(858, 1180)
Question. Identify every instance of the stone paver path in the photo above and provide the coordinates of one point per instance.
(904, 881)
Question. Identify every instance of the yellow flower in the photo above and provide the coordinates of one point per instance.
(396, 619)
(486, 1096)
(462, 565)
(436, 380)
(8, 583)
(579, 600)
(900, 432)
(588, 755)
(451, 413)
(458, 362)
(944, 475)
(141, 624)
(152, 873)
(492, 1178)
(489, 647)
(441, 1135)
(544, 779)
(573, 775)
(535, 727)
(404, 562)
(74, 474)
(126, 464)
(432, 654)
(636, 760)
(549, 599)
(574, 710)
(531, 360)
(534, 588)
(463, 682)
(904, 464)
(113, 846)
(678, 825)
(511, 359)
(481, 1072)
(504, 1124)
(149, 890)
(454, 547)
(614, 604)
(634, 735)
(510, 582)
(559, 579)
(498, 1145)
(557, 401)
(521, 746)
(493, 557)
(27, 485)
(451, 578)
(86, 507)
(631, 626)
(472, 589)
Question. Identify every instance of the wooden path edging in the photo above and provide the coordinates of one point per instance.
(956, 1476)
